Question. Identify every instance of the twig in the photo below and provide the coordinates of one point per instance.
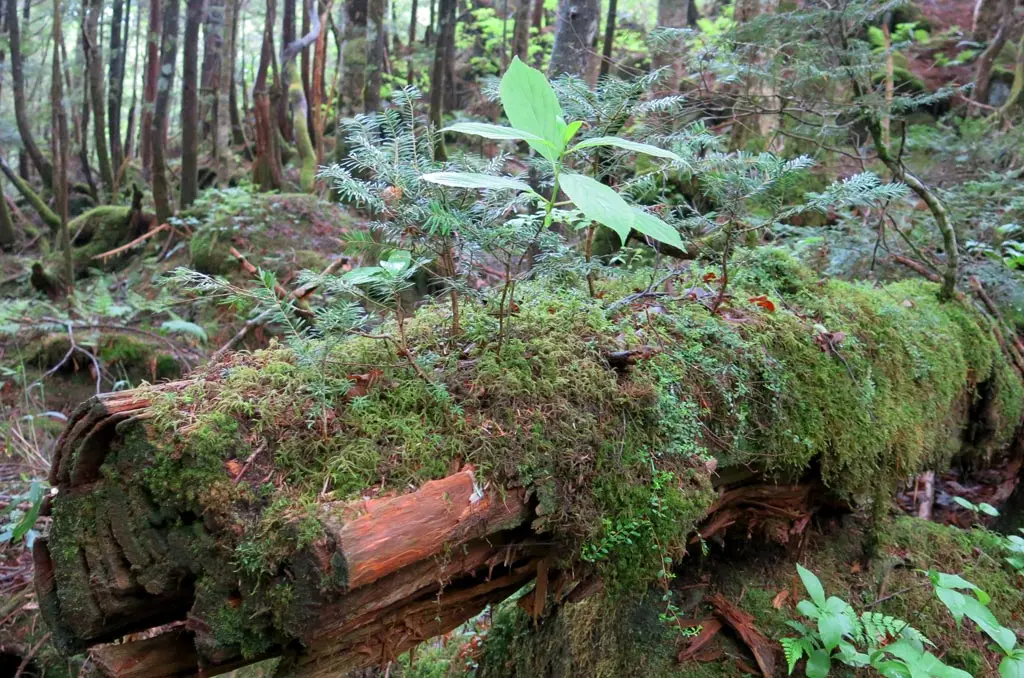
(133, 243)
(30, 654)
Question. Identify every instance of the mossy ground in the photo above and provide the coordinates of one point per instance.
(607, 637)
(861, 383)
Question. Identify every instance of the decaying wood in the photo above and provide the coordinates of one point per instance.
(743, 624)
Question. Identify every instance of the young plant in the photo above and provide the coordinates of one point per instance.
(889, 645)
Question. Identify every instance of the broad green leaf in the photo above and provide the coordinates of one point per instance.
(396, 262)
(475, 180)
(635, 146)
(812, 584)
(988, 509)
(363, 275)
(892, 669)
(599, 203)
(807, 609)
(955, 581)
(970, 506)
(831, 628)
(1011, 667)
(818, 664)
(488, 131)
(531, 105)
(652, 226)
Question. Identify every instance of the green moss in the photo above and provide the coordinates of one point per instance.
(858, 383)
(208, 252)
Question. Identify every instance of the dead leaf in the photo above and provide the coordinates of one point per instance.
(764, 302)
(234, 467)
(780, 599)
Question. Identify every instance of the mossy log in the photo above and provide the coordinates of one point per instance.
(339, 505)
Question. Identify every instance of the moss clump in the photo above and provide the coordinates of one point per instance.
(100, 230)
(603, 636)
(208, 252)
(860, 382)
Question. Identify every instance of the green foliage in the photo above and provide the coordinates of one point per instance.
(890, 646)
(17, 523)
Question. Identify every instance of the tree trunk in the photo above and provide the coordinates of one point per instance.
(150, 86)
(237, 133)
(319, 66)
(215, 30)
(304, 64)
(61, 141)
(287, 38)
(353, 81)
(180, 501)
(987, 59)
(118, 54)
(410, 72)
(445, 38)
(97, 98)
(266, 166)
(672, 14)
(190, 105)
(609, 39)
(28, 140)
(221, 108)
(538, 14)
(428, 35)
(130, 147)
(158, 128)
(986, 18)
(8, 236)
(297, 101)
(375, 48)
(84, 118)
(575, 29)
(521, 32)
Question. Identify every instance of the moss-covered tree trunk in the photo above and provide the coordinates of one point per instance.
(158, 128)
(341, 507)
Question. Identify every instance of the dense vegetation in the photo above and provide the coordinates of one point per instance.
(710, 293)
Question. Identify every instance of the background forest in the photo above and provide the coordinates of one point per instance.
(674, 294)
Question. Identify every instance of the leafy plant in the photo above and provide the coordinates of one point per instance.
(17, 521)
(987, 509)
(889, 645)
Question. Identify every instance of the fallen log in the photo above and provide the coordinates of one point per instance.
(334, 504)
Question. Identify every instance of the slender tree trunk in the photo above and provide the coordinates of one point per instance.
(521, 32)
(353, 81)
(287, 38)
(84, 118)
(609, 38)
(428, 35)
(410, 72)
(985, 21)
(304, 60)
(190, 105)
(319, 66)
(237, 133)
(575, 30)
(375, 47)
(8, 236)
(94, 63)
(133, 112)
(60, 141)
(214, 31)
(297, 100)
(168, 57)
(222, 102)
(118, 54)
(267, 163)
(986, 61)
(150, 85)
(538, 13)
(28, 141)
(445, 36)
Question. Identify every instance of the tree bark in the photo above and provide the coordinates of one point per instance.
(353, 58)
(410, 72)
(443, 50)
(8, 236)
(609, 38)
(61, 142)
(287, 38)
(237, 133)
(319, 67)
(575, 29)
(215, 33)
(672, 14)
(987, 59)
(985, 20)
(521, 31)
(375, 48)
(158, 128)
(118, 53)
(97, 98)
(21, 117)
(150, 86)
(267, 163)
(190, 105)
(298, 104)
